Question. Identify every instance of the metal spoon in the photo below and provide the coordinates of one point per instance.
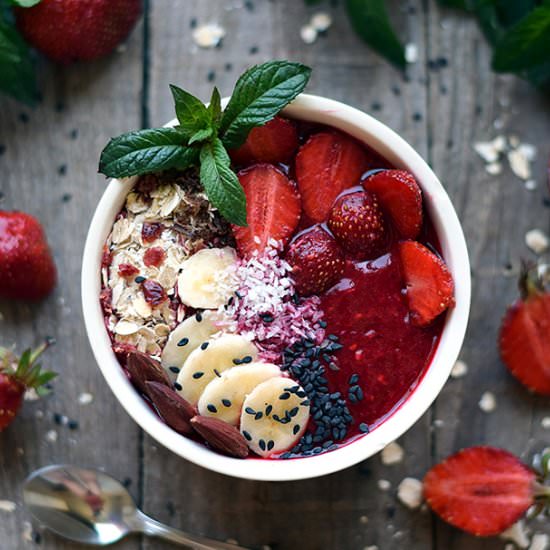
(91, 507)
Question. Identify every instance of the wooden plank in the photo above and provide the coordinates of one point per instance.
(49, 168)
(344, 510)
(469, 104)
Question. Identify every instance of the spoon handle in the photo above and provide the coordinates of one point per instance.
(152, 527)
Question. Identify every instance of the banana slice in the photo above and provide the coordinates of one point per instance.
(186, 337)
(209, 360)
(205, 280)
(223, 397)
(274, 416)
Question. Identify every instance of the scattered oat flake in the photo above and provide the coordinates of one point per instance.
(489, 151)
(494, 168)
(392, 454)
(51, 436)
(208, 35)
(321, 21)
(539, 541)
(85, 398)
(7, 506)
(409, 492)
(411, 53)
(27, 533)
(537, 241)
(308, 34)
(384, 485)
(520, 163)
(372, 547)
(488, 402)
(438, 423)
(545, 423)
(459, 369)
(518, 534)
(531, 185)
(31, 395)
(363, 520)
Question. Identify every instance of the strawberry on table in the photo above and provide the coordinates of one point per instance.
(357, 223)
(316, 260)
(272, 208)
(326, 164)
(430, 286)
(27, 270)
(483, 490)
(17, 376)
(401, 199)
(525, 334)
(77, 30)
(273, 142)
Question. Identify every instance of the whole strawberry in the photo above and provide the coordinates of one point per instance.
(484, 490)
(27, 270)
(357, 223)
(77, 30)
(17, 376)
(525, 333)
(317, 262)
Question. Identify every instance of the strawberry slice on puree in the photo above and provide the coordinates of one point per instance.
(273, 208)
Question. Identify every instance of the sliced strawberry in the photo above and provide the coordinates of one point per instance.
(272, 208)
(357, 222)
(430, 287)
(482, 490)
(326, 164)
(317, 262)
(273, 142)
(525, 336)
(400, 197)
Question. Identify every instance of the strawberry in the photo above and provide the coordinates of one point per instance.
(483, 490)
(430, 287)
(317, 262)
(272, 208)
(358, 225)
(525, 334)
(27, 271)
(400, 197)
(326, 164)
(273, 142)
(18, 375)
(73, 30)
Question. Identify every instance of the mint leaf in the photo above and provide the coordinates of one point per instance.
(221, 183)
(146, 151)
(215, 108)
(370, 20)
(526, 45)
(191, 111)
(260, 93)
(17, 76)
(201, 135)
(25, 3)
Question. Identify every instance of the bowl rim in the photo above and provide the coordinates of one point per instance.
(395, 149)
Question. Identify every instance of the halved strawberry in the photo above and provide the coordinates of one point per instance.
(357, 223)
(273, 142)
(482, 490)
(317, 262)
(430, 287)
(525, 335)
(326, 164)
(400, 197)
(272, 208)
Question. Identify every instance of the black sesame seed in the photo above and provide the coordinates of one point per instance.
(62, 169)
(198, 316)
(268, 410)
(364, 428)
(73, 425)
(178, 386)
(211, 76)
(266, 318)
(293, 412)
(323, 324)
(270, 444)
(333, 337)
(305, 403)
(258, 415)
(354, 378)
(211, 408)
(198, 374)
(247, 359)
(247, 436)
(174, 369)
(276, 418)
(183, 342)
(67, 197)
(226, 403)
(253, 50)
(249, 410)
(237, 361)
(193, 22)
(296, 429)
(284, 395)
(139, 279)
(238, 294)
(261, 443)
(204, 345)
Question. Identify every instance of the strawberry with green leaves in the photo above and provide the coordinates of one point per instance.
(18, 375)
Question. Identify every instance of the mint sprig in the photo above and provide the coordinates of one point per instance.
(204, 134)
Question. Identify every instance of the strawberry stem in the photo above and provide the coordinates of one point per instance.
(541, 491)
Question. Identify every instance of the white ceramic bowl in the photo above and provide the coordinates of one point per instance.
(400, 154)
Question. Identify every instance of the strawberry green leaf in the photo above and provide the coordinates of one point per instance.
(260, 93)
(144, 151)
(221, 183)
(526, 45)
(191, 111)
(215, 108)
(201, 135)
(25, 3)
(17, 76)
(370, 20)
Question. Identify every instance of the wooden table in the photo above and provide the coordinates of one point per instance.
(48, 164)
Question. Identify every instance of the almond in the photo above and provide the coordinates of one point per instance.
(143, 368)
(171, 407)
(221, 436)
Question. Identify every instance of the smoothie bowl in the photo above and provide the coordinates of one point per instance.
(298, 344)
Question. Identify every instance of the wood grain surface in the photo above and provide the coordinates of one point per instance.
(49, 168)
